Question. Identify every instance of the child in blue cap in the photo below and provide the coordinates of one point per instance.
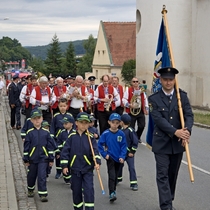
(112, 146)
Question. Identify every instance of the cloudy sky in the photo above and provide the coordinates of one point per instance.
(34, 22)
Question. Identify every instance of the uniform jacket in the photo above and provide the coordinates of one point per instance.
(77, 153)
(38, 146)
(57, 126)
(131, 139)
(27, 125)
(14, 93)
(167, 120)
(114, 143)
(62, 137)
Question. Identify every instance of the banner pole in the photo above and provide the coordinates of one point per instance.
(164, 11)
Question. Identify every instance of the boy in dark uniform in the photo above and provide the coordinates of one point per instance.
(37, 154)
(68, 123)
(77, 152)
(55, 129)
(169, 138)
(132, 145)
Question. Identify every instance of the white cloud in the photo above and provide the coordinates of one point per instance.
(34, 22)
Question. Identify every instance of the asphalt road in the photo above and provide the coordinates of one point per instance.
(188, 196)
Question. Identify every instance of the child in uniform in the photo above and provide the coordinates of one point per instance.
(68, 123)
(77, 152)
(55, 129)
(92, 129)
(112, 146)
(37, 154)
(132, 145)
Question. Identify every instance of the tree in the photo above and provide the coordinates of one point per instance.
(85, 65)
(71, 67)
(128, 70)
(37, 65)
(11, 50)
(53, 60)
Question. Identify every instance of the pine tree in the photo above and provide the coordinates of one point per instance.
(86, 62)
(71, 67)
(53, 60)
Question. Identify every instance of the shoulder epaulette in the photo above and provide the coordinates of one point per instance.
(130, 129)
(28, 118)
(63, 130)
(30, 130)
(45, 129)
(91, 135)
(56, 114)
(73, 133)
(68, 113)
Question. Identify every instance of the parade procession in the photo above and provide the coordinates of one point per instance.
(117, 135)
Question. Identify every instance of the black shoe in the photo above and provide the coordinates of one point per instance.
(43, 199)
(140, 141)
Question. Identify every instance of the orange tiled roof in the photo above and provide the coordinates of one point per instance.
(121, 38)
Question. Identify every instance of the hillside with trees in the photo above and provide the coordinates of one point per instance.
(41, 51)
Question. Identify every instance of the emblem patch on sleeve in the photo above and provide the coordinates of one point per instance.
(150, 107)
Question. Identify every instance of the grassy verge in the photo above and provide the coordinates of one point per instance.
(202, 118)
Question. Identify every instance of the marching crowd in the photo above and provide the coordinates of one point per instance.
(62, 121)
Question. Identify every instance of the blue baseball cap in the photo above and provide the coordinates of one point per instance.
(83, 116)
(126, 118)
(67, 119)
(36, 113)
(114, 116)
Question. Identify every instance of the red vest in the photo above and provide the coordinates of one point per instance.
(130, 95)
(101, 94)
(56, 92)
(29, 89)
(39, 95)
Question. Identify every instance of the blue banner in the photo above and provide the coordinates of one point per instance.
(162, 60)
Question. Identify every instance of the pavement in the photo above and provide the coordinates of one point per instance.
(13, 182)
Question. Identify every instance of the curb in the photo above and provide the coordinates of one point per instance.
(19, 171)
(202, 125)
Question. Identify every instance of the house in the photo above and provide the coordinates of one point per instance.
(189, 34)
(116, 43)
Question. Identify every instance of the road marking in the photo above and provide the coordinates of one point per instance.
(193, 166)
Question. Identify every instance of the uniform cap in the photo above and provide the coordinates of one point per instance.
(114, 116)
(83, 116)
(67, 119)
(168, 72)
(16, 76)
(126, 118)
(45, 123)
(36, 113)
(92, 118)
(91, 78)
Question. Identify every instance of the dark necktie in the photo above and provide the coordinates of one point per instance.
(169, 100)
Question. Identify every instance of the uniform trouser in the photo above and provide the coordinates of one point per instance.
(140, 119)
(58, 164)
(167, 168)
(84, 181)
(113, 171)
(132, 171)
(47, 115)
(28, 111)
(103, 117)
(15, 112)
(37, 170)
(74, 112)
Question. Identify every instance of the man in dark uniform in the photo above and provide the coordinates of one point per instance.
(94, 87)
(169, 138)
(14, 102)
(92, 82)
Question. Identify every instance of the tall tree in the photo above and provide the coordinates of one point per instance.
(53, 60)
(85, 65)
(71, 67)
(128, 70)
